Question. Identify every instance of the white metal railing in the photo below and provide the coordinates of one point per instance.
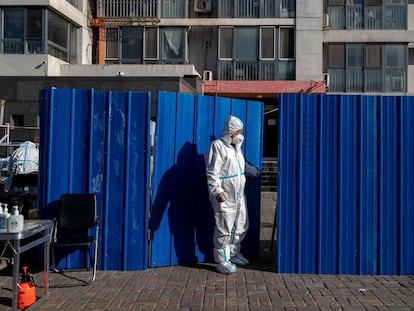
(128, 8)
(5, 136)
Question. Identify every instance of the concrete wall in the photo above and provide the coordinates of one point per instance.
(22, 93)
(410, 72)
(309, 40)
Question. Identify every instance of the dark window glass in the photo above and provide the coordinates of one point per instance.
(287, 43)
(267, 43)
(226, 43)
(246, 40)
(373, 56)
(151, 43)
(112, 46)
(355, 55)
(410, 56)
(395, 55)
(57, 30)
(13, 23)
(34, 24)
(132, 43)
(336, 54)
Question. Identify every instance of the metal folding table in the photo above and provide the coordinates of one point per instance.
(39, 232)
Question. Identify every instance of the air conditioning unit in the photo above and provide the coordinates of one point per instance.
(326, 79)
(202, 6)
(325, 20)
(207, 75)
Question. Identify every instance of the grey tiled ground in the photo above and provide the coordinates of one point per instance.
(256, 287)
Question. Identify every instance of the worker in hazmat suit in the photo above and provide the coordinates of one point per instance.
(226, 172)
(24, 160)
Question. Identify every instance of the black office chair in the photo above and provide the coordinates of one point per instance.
(77, 214)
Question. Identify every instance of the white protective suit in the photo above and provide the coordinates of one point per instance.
(24, 160)
(226, 171)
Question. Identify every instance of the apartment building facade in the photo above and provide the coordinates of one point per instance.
(253, 49)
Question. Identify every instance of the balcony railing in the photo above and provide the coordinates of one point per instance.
(20, 46)
(181, 8)
(143, 8)
(256, 70)
(125, 8)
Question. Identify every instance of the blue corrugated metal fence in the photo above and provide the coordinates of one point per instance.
(182, 217)
(346, 202)
(99, 142)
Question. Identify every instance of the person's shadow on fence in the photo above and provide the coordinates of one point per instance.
(182, 192)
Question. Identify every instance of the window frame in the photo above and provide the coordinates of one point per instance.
(262, 41)
(117, 45)
(231, 45)
(157, 44)
(379, 23)
(280, 58)
(387, 72)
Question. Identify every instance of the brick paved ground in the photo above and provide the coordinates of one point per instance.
(256, 287)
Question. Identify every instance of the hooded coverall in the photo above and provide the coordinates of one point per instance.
(226, 169)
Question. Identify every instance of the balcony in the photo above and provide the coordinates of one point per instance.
(256, 70)
(142, 9)
(116, 9)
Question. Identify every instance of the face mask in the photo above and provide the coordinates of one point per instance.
(237, 140)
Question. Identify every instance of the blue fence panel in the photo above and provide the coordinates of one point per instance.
(99, 143)
(287, 256)
(348, 185)
(406, 186)
(368, 235)
(203, 214)
(182, 219)
(253, 133)
(388, 170)
(307, 186)
(347, 203)
(163, 181)
(328, 186)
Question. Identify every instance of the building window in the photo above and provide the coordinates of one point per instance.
(249, 53)
(411, 56)
(174, 8)
(369, 14)
(256, 9)
(245, 42)
(287, 43)
(372, 67)
(173, 45)
(112, 43)
(131, 45)
(58, 36)
(395, 67)
(267, 43)
(150, 45)
(23, 31)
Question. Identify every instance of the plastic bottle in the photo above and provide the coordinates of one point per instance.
(15, 221)
(26, 291)
(4, 214)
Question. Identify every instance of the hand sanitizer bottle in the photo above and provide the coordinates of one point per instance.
(3, 218)
(15, 221)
